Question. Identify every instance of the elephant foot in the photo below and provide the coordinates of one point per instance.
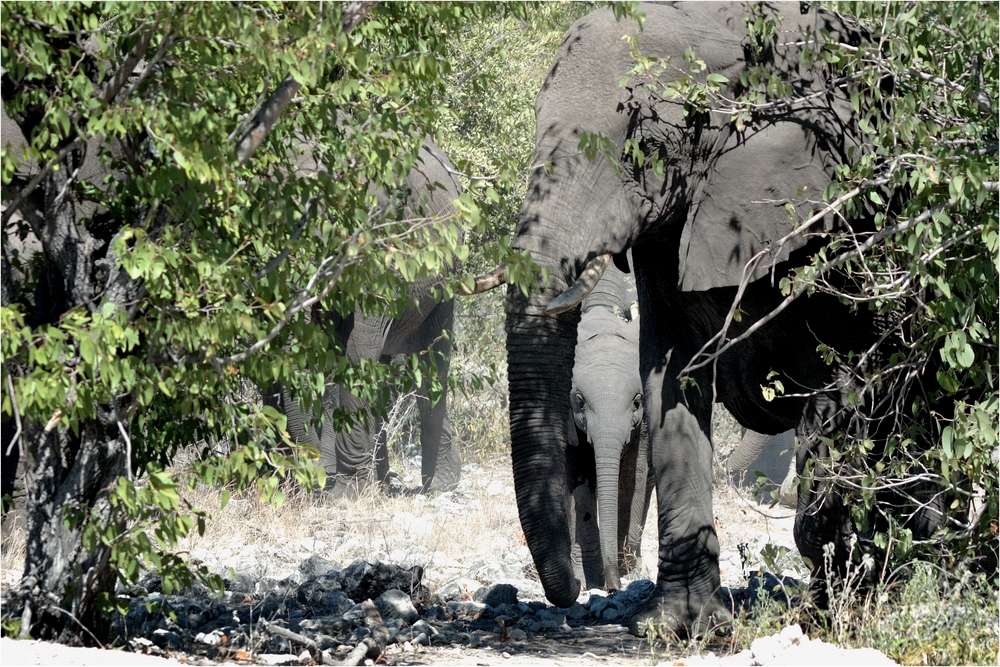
(350, 487)
(679, 616)
(447, 472)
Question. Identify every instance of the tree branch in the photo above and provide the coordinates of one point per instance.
(791, 298)
(286, 90)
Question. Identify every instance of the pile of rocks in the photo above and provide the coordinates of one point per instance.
(326, 613)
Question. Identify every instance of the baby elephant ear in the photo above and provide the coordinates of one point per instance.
(571, 437)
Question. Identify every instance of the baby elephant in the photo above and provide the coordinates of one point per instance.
(609, 449)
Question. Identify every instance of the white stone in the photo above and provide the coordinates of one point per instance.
(311, 545)
(414, 526)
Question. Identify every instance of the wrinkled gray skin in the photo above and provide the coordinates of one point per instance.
(607, 420)
(720, 201)
(773, 455)
(352, 458)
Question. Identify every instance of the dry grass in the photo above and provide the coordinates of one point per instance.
(447, 534)
(13, 538)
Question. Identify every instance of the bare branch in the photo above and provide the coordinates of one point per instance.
(273, 264)
(111, 88)
(167, 42)
(34, 182)
(286, 90)
(266, 118)
(791, 298)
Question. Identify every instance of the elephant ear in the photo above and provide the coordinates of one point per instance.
(762, 182)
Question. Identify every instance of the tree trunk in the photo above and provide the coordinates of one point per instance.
(68, 584)
(66, 587)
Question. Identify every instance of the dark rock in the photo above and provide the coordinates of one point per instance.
(425, 627)
(394, 603)
(323, 593)
(637, 590)
(439, 613)
(552, 620)
(331, 625)
(358, 634)
(361, 580)
(240, 583)
(496, 595)
(779, 588)
(466, 608)
(317, 566)
(598, 605)
(576, 612)
(167, 639)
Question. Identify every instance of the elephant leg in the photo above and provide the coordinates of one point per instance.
(346, 456)
(687, 598)
(298, 424)
(441, 464)
(353, 448)
(581, 467)
(642, 484)
(788, 493)
(823, 528)
(588, 537)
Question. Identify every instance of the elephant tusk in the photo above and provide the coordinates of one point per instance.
(485, 282)
(583, 286)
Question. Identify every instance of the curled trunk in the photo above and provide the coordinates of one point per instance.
(748, 451)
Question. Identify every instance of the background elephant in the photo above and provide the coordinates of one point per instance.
(613, 475)
(773, 455)
(719, 200)
(353, 456)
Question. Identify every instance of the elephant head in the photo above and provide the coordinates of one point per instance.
(698, 220)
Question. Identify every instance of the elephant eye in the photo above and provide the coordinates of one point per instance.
(637, 402)
(578, 401)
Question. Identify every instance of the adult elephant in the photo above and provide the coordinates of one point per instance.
(354, 457)
(613, 481)
(719, 200)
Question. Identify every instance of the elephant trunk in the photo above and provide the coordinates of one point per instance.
(607, 457)
(540, 351)
(749, 450)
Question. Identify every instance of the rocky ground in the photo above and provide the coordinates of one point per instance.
(450, 582)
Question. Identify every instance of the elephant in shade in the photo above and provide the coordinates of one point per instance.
(717, 200)
(611, 481)
(354, 457)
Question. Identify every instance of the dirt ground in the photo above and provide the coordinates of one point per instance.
(455, 537)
